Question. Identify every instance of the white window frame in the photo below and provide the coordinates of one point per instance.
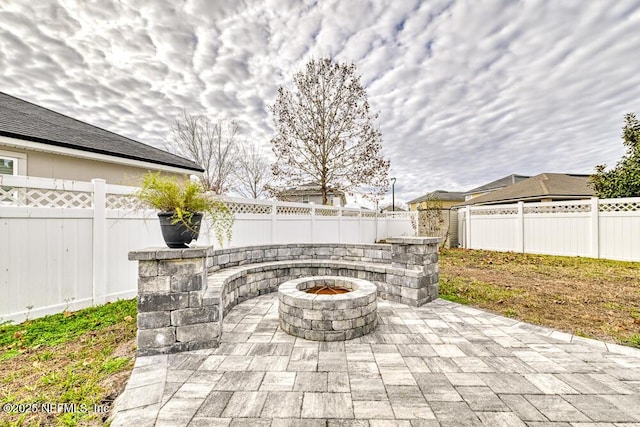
(19, 167)
(15, 163)
(19, 161)
(305, 199)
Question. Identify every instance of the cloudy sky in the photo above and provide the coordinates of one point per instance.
(468, 91)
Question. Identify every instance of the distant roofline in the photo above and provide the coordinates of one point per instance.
(486, 187)
(424, 196)
(197, 167)
(536, 188)
(524, 199)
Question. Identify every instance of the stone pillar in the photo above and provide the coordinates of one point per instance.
(413, 276)
(171, 314)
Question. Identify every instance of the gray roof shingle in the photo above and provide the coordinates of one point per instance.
(498, 183)
(442, 195)
(23, 120)
(546, 185)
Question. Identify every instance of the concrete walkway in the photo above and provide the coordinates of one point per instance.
(440, 364)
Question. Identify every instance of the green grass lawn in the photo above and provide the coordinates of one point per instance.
(82, 358)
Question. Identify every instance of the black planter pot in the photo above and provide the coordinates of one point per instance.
(178, 235)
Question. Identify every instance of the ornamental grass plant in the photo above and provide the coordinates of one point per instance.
(184, 198)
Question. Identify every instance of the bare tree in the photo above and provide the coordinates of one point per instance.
(211, 145)
(325, 133)
(431, 219)
(253, 173)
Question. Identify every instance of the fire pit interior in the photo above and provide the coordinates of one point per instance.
(327, 290)
(327, 308)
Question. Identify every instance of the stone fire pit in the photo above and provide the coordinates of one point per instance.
(325, 317)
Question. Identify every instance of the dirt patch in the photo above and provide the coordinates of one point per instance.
(587, 297)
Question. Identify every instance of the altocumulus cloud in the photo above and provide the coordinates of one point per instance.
(467, 91)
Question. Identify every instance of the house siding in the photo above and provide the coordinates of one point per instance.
(50, 165)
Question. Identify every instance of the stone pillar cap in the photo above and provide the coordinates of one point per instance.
(414, 240)
(168, 253)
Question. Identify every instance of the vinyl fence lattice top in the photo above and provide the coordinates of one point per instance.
(45, 198)
(495, 211)
(122, 201)
(293, 210)
(626, 206)
(249, 208)
(557, 209)
(327, 212)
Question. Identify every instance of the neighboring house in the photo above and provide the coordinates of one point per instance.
(494, 185)
(447, 198)
(310, 193)
(391, 209)
(35, 141)
(546, 187)
(446, 223)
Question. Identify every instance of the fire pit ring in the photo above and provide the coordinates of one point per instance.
(326, 317)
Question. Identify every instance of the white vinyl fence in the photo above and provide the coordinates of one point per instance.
(64, 244)
(595, 228)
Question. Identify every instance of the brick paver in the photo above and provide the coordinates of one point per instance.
(441, 364)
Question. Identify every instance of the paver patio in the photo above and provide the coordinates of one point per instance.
(439, 364)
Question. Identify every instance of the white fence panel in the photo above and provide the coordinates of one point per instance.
(293, 229)
(495, 233)
(248, 230)
(126, 233)
(66, 243)
(351, 230)
(492, 227)
(620, 236)
(571, 234)
(619, 229)
(605, 228)
(403, 223)
(326, 230)
(45, 260)
(369, 229)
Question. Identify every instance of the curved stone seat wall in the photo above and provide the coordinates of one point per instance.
(231, 257)
(233, 286)
(184, 293)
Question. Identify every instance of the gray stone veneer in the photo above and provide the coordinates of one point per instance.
(419, 254)
(171, 316)
(180, 309)
(327, 317)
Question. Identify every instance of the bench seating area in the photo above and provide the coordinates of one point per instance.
(231, 286)
(184, 294)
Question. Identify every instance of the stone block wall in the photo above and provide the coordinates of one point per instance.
(236, 285)
(413, 277)
(171, 314)
(327, 317)
(231, 257)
